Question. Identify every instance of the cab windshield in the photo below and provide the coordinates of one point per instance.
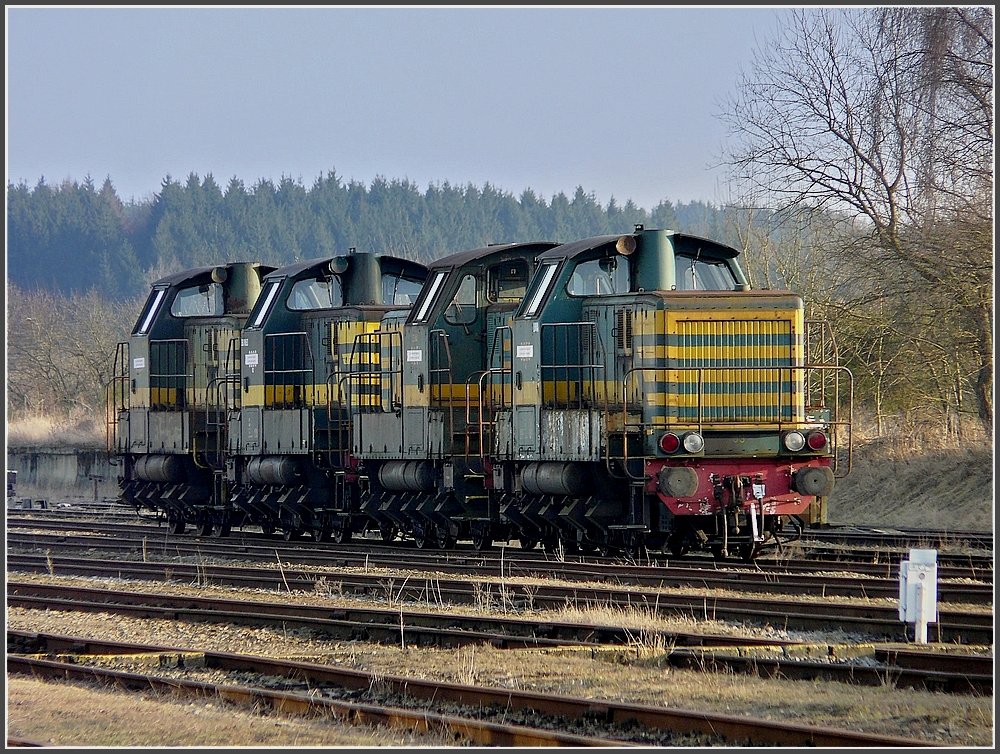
(317, 293)
(400, 289)
(694, 274)
(428, 293)
(539, 287)
(599, 277)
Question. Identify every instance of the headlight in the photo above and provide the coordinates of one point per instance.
(794, 441)
(693, 442)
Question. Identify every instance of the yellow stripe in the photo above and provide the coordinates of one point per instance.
(674, 400)
(663, 320)
(314, 396)
(735, 352)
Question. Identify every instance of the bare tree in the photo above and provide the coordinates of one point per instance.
(884, 116)
(60, 350)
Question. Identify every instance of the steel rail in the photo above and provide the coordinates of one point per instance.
(880, 620)
(955, 673)
(735, 729)
(677, 576)
(876, 561)
(363, 622)
(960, 678)
(761, 576)
(289, 702)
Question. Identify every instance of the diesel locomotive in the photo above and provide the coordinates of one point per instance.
(617, 393)
(217, 420)
(164, 425)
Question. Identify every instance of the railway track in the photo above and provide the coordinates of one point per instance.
(944, 671)
(367, 552)
(773, 580)
(876, 620)
(359, 623)
(867, 544)
(601, 722)
(901, 537)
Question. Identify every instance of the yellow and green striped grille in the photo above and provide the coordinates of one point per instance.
(716, 370)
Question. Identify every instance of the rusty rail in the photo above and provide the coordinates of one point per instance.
(732, 729)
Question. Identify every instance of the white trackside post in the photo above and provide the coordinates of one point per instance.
(918, 591)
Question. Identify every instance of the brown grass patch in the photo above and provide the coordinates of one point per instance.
(63, 714)
(73, 431)
(948, 488)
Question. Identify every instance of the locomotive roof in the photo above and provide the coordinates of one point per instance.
(575, 248)
(291, 270)
(460, 258)
(195, 272)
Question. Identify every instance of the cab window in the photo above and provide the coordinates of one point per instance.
(149, 312)
(198, 301)
(263, 305)
(400, 290)
(599, 277)
(539, 288)
(429, 292)
(318, 293)
(507, 281)
(462, 309)
(694, 274)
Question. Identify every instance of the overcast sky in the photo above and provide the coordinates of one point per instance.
(621, 101)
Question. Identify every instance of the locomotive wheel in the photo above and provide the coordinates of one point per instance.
(443, 538)
(481, 538)
(290, 535)
(176, 525)
(748, 551)
(635, 544)
(319, 534)
(205, 530)
(341, 534)
(677, 546)
(388, 532)
(267, 529)
(605, 549)
(421, 538)
(527, 543)
(222, 530)
(570, 546)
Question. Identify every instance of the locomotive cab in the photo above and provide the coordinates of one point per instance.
(421, 443)
(659, 402)
(161, 417)
(289, 466)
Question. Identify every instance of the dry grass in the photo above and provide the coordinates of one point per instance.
(73, 431)
(890, 485)
(60, 714)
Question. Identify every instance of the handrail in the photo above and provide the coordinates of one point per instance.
(117, 396)
(392, 340)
